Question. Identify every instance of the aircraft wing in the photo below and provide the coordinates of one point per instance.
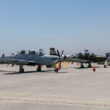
(16, 61)
(70, 59)
(80, 60)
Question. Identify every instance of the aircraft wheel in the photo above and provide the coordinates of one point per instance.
(56, 70)
(89, 66)
(82, 66)
(39, 68)
(21, 69)
(105, 66)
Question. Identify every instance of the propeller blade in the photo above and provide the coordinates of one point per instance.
(58, 63)
(62, 53)
(58, 53)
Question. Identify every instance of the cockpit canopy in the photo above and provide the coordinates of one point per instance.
(23, 52)
(32, 52)
(40, 52)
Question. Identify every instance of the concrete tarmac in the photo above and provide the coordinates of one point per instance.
(71, 88)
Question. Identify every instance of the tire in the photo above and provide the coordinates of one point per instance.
(105, 66)
(56, 70)
(23, 70)
(39, 69)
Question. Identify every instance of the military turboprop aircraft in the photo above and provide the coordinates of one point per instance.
(87, 58)
(32, 58)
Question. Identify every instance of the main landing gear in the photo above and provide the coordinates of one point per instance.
(105, 66)
(21, 69)
(89, 66)
(82, 66)
(39, 68)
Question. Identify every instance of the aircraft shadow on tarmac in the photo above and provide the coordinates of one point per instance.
(6, 71)
(44, 72)
(86, 67)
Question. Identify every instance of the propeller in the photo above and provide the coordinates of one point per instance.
(62, 52)
(59, 61)
(58, 64)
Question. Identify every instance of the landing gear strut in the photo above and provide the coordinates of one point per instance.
(89, 66)
(105, 66)
(21, 69)
(82, 66)
(39, 68)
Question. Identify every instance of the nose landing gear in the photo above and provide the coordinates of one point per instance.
(56, 70)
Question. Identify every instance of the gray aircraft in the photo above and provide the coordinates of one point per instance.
(33, 58)
(87, 58)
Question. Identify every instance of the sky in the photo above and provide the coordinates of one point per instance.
(70, 25)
